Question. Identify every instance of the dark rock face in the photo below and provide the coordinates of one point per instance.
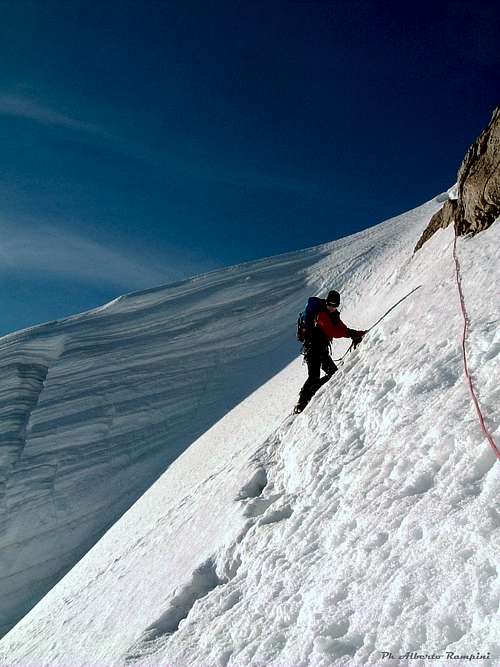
(478, 181)
(439, 220)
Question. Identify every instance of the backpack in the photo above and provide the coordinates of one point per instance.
(301, 328)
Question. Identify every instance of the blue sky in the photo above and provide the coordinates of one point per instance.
(143, 142)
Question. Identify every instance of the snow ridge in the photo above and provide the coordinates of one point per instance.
(95, 407)
(366, 524)
(349, 546)
(109, 398)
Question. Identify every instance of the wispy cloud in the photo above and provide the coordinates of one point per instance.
(24, 107)
(56, 253)
(28, 106)
(179, 161)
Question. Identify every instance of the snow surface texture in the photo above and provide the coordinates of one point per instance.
(368, 523)
(95, 407)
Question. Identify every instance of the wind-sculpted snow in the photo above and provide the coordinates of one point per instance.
(367, 524)
(95, 407)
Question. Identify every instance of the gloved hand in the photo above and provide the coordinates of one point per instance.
(357, 337)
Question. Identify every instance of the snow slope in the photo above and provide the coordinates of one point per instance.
(95, 407)
(368, 523)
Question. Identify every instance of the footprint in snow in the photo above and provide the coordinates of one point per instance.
(419, 484)
(255, 486)
(257, 506)
(203, 581)
(275, 515)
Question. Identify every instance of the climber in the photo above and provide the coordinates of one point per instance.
(322, 323)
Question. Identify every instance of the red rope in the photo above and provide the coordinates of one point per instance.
(484, 428)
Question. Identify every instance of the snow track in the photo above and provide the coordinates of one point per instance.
(97, 406)
(365, 524)
(94, 408)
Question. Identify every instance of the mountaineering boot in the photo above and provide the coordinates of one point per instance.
(299, 407)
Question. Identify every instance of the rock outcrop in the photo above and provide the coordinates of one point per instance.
(439, 220)
(478, 188)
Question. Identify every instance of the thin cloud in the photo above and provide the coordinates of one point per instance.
(198, 166)
(57, 253)
(21, 107)
(29, 108)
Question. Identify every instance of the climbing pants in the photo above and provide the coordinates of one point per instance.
(317, 359)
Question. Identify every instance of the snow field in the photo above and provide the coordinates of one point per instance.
(96, 406)
(368, 523)
(373, 523)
